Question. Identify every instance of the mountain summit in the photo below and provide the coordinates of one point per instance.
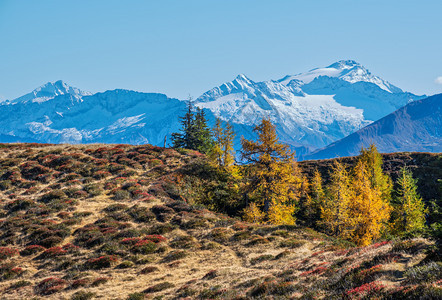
(346, 70)
(310, 109)
(49, 91)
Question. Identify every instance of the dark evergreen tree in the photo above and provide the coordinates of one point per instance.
(194, 133)
(185, 138)
(203, 135)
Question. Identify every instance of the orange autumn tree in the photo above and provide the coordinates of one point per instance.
(273, 179)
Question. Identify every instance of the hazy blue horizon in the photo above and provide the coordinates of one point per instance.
(187, 47)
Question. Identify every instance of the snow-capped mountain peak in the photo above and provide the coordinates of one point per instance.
(346, 70)
(345, 64)
(49, 91)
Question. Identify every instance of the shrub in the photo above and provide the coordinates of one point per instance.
(195, 223)
(53, 196)
(100, 280)
(184, 242)
(149, 269)
(7, 252)
(32, 249)
(159, 287)
(105, 261)
(368, 291)
(80, 283)
(141, 214)
(70, 248)
(50, 285)
(257, 241)
(19, 204)
(53, 252)
(82, 295)
(116, 207)
(20, 284)
(8, 271)
(136, 296)
(121, 195)
(130, 241)
(93, 189)
(408, 246)
(261, 258)
(125, 264)
(51, 241)
(163, 213)
(156, 238)
(292, 243)
(162, 228)
(426, 273)
(241, 235)
(211, 274)
(175, 255)
(144, 247)
(282, 233)
(220, 234)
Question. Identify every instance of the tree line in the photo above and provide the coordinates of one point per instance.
(358, 204)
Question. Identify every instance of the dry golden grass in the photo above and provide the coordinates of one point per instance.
(232, 264)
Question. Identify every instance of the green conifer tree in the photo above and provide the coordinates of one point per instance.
(194, 133)
(185, 138)
(203, 136)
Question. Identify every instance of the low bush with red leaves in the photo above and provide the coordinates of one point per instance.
(365, 291)
(7, 252)
(50, 285)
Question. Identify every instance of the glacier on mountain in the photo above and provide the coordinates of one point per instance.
(310, 110)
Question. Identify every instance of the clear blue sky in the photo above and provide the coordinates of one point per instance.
(187, 47)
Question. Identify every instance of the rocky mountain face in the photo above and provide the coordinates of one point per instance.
(414, 127)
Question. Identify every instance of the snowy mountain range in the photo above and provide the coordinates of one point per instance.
(311, 110)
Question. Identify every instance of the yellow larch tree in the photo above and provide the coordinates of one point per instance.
(379, 180)
(223, 153)
(369, 212)
(336, 218)
(273, 179)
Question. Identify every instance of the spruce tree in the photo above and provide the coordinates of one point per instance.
(185, 138)
(203, 136)
(194, 133)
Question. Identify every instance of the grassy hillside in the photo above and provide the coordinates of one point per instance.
(118, 222)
